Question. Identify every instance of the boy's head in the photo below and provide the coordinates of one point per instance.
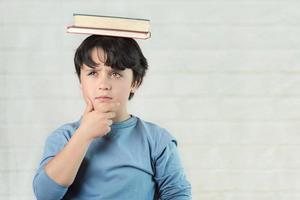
(109, 68)
(119, 53)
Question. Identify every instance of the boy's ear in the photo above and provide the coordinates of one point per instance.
(134, 87)
(133, 90)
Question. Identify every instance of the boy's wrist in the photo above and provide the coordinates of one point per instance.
(82, 136)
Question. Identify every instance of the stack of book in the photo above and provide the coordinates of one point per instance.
(109, 25)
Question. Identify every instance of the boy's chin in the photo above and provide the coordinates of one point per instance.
(98, 103)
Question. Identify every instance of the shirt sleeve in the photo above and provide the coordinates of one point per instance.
(169, 175)
(44, 187)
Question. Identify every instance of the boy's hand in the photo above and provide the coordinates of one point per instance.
(96, 122)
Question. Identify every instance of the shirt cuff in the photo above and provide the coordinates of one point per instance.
(46, 188)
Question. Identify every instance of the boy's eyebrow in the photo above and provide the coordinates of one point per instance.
(98, 68)
(86, 67)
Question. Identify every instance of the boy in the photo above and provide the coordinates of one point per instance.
(108, 153)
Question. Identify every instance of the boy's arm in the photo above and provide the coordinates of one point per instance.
(169, 175)
(62, 166)
(59, 173)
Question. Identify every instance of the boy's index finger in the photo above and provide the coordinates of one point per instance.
(89, 106)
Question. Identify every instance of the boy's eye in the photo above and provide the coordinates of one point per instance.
(116, 75)
(92, 73)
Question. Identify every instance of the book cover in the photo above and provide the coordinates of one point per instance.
(111, 22)
(108, 32)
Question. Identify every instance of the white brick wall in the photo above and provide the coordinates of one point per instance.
(224, 78)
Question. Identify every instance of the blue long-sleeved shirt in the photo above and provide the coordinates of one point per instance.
(135, 160)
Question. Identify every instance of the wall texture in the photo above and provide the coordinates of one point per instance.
(224, 78)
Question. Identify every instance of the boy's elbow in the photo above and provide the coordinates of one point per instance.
(46, 189)
(182, 192)
(36, 189)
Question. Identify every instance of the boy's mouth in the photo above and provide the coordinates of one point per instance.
(103, 98)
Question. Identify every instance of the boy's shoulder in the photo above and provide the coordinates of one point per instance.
(158, 136)
(66, 130)
(153, 128)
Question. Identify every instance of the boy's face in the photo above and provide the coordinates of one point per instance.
(103, 84)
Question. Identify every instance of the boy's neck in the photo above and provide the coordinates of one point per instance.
(122, 117)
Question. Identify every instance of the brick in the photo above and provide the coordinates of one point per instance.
(40, 86)
(240, 157)
(206, 61)
(36, 63)
(245, 180)
(234, 133)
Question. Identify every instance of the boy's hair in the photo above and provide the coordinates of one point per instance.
(121, 53)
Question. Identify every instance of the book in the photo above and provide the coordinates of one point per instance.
(111, 22)
(108, 32)
(110, 26)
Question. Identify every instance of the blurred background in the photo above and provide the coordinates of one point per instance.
(224, 79)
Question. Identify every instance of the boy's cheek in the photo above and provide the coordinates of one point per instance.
(87, 96)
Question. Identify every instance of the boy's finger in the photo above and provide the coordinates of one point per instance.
(89, 107)
(109, 122)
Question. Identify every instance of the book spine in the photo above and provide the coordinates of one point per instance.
(109, 32)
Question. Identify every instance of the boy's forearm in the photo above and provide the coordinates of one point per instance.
(65, 165)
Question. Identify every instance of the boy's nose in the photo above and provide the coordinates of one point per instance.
(104, 87)
(103, 83)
